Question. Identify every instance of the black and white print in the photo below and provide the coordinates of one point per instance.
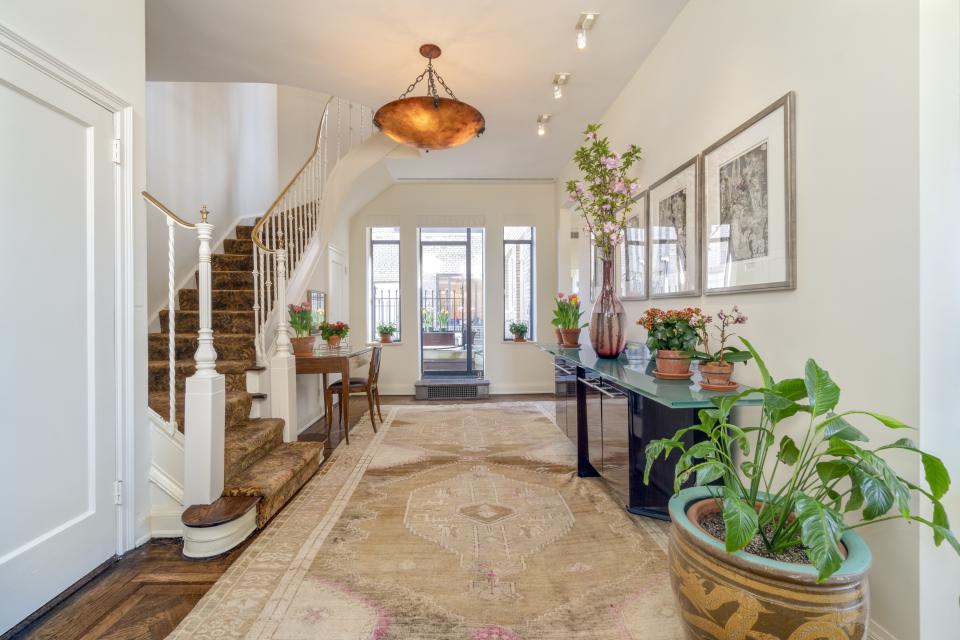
(744, 206)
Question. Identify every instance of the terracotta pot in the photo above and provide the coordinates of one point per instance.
(333, 342)
(608, 320)
(386, 338)
(669, 361)
(722, 595)
(302, 346)
(571, 337)
(519, 338)
(559, 335)
(716, 372)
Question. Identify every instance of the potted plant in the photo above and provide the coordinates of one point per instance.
(333, 333)
(386, 331)
(519, 329)
(604, 198)
(443, 316)
(426, 319)
(301, 319)
(672, 336)
(759, 546)
(716, 367)
(566, 317)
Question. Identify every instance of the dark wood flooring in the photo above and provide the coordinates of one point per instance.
(147, 592)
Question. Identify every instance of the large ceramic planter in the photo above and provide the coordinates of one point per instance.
(672, 362)
(608, 320)
(724, 595)
(302, 346)
(716, 373)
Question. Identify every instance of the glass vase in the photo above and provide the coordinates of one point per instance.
(608, 321)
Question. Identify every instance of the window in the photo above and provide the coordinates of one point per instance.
(384, 272)
(518, 278)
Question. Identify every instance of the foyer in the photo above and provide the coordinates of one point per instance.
(387, 320)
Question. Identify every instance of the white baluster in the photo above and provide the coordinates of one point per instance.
(171, 321)
(257, 290)
(283, 367)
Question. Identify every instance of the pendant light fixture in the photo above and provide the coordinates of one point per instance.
(430, 121)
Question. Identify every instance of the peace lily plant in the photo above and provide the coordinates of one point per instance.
(831, 471)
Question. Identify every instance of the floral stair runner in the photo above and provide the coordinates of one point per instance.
(256, 460)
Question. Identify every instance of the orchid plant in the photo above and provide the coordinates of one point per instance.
(722, 326)
(605, 195)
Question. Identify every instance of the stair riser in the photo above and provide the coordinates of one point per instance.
(229, 280)
(231, 262)
(276, 439)
(231, 245)
(237, 408)
(158, 379)
(225, 300)
(223, 322)
(227, 347)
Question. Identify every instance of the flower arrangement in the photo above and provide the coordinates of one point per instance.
(301, 318)
(334, 329)
(605, 194)
(671, 330)
(443, 316)
(723, 325)
(566, 314)
(386, 329)
(518, 328)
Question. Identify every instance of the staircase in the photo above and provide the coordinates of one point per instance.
(257, 463)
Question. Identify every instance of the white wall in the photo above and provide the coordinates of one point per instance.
(510, 367)
(939, 287)
(853, 66)
(207, 143)
(298, 116)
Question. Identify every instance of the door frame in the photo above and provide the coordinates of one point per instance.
(125, 204)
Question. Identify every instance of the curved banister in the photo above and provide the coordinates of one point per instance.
(170, 214)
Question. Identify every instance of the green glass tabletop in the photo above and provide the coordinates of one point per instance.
(634, 372)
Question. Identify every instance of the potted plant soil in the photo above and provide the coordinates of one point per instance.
(333, 333)
(759, 554)
(672, 337)
(518, 329)
(301, 319)
(566, 317)
(386, 331)
(716, 367)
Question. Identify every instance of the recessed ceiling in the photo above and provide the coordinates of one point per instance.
(499, 56)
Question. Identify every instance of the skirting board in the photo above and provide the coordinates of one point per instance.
(877, 632)
(495, 389)
(166, 523)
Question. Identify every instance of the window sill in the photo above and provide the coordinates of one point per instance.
(377, 343)
(533, 342)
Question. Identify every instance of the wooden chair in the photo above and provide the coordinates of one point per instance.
(366, 386)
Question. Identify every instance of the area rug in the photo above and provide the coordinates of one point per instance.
(460, 522)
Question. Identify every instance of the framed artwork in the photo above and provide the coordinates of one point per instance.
(674, 233)
(318, 306)
(749, 205)
(633, 252)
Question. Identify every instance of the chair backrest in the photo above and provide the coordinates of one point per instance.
(373, 374)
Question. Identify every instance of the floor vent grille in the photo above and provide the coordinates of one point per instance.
(453, 389)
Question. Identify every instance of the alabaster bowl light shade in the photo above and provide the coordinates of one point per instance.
(417, 122)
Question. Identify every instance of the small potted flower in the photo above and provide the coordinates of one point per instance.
(386, 330)
(672, 337)
(716, 367)
(518, 328)
(333, 332)
(566, 317)
(301, 319)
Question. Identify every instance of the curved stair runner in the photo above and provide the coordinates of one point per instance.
(257, 463)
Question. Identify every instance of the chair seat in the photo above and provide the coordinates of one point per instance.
(354, 382)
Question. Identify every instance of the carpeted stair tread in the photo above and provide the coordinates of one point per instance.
(221, 300)
(238, 405)
(234, 372)
(249, 441)
(235, 245)
(225, 321)
(232, 262)
(229, 346)
(228, 280)
(276, 476)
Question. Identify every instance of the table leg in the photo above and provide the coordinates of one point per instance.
(345, 397)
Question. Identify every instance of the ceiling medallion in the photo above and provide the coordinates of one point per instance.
(429, 122)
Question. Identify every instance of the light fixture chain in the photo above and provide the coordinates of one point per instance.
(445, 87)
(413, 85)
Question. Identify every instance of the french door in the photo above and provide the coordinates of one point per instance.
(451, 302)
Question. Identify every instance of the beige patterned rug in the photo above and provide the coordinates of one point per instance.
(462, 522)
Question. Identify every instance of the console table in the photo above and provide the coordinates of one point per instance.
(325, 361)
(611, 408)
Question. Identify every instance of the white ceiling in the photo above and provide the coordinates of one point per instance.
(499, 56)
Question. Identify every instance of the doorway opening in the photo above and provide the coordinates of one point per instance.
(451, 302)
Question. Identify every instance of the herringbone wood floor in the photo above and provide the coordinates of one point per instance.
(147, 592)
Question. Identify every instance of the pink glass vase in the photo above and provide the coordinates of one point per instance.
(608, 321)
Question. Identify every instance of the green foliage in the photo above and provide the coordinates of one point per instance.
(671, 330)
(518, 328)
(443, 316)
(386, 329)
(329, 329)
(566, 313)
(831, 471)
(426, 319)
(301, 319)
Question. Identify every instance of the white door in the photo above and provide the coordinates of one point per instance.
(58, 389)
(337, 305)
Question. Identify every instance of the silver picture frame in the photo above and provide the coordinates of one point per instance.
(675, 273)
(748, 183)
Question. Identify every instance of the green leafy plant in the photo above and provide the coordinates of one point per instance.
(832, 471)
(518, 328)
(443, 316)
(566, 313)
(301, 319)
(723, 325)
(606, 193)
(328, 329)
(386, 329)
(426, 319)
(671, 330)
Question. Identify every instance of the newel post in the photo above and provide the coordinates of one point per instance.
(283, 365)
(205, 396)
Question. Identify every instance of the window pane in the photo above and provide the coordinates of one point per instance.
(384, 279)
(518, 256)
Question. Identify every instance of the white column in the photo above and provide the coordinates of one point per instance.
(205, 399)
(283, 365)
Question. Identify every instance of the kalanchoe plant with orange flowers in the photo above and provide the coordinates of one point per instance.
(301, 318)
(566, 315)
(671, 330)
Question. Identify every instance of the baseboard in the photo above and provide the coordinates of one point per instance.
(166, 523)
(877, 632)
(495, 389)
